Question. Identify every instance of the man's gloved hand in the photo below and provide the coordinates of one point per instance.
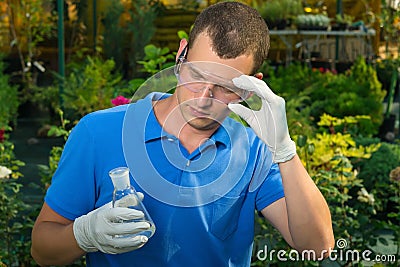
(269, 123)
(98, 229)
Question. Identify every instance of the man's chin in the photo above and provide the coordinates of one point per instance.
(203, 123)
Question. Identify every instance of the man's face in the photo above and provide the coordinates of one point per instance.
(204, 104)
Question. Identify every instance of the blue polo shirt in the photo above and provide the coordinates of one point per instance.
(203, 203)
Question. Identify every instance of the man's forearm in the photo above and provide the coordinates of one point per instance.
(54, 244)
(309, 217)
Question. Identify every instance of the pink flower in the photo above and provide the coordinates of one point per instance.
(120, 100)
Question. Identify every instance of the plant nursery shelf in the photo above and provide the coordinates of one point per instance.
(332, 45)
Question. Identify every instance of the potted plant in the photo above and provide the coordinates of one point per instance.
(278, 14)
(317, 22)
(342, 22)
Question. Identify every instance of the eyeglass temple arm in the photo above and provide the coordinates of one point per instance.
(182, 55)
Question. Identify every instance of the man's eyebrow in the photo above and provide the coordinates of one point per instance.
(204, 72)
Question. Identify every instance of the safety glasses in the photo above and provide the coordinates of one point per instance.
(200, 75)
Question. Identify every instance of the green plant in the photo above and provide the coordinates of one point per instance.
(357, 92)
(328, 157)
(309, 94)
(394, 222)
(369, 86)
(156, 59)
(114, 33)
(388, 20)
(375, 173)
(344, 19)
(46, 171)
(311, 20)
(270, 10)
(128, 27)
(91, 86)
(330, 143)
(8, 98)
(31, 23)
(274, 10)
(290, 83)
(15, 219)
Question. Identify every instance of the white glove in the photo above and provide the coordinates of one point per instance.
(98, 229)
(269, 123)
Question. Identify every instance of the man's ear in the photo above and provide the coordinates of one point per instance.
(259, 75)
(182, 45)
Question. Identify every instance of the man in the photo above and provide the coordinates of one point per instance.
(202, 174)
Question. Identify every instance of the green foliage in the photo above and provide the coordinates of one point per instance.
(274, 10)
(388, 20)
(267, 237)
(114, 33)
(156, 59)
(60, 130)
(394, 214)
(328, 144)
(289, 82)
(32, 23)
(183, 35)
(357, 92)
(344, 19)
(318, 20)
(354, 125)
(46, 171)
(47, 97)
(8, 98)
(91, 86)
(15, 222)
(375, 175)
(328, 157)
(330, 164)
(128, 28)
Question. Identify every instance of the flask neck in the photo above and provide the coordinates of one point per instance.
(120, 178)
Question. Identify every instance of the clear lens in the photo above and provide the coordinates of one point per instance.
(196, 75)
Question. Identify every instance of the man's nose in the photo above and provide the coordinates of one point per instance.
(205, 95)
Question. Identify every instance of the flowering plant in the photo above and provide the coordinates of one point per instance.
(15, 221)
(4, 172)
(120, 100)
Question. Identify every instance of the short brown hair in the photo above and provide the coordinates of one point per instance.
(235, 29)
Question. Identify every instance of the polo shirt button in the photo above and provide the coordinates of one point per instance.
(170, 139)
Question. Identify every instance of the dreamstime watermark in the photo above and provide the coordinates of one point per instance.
(339, 254)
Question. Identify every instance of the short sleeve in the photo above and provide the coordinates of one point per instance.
(72, 190)
(271, 189)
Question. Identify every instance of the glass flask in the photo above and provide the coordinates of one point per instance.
(125, 195)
